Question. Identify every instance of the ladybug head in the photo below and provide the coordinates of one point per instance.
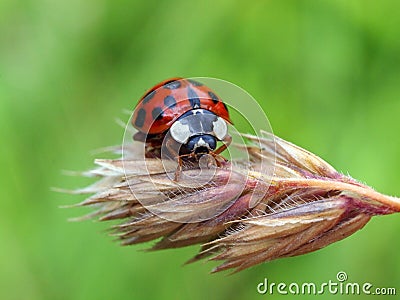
(199, 144)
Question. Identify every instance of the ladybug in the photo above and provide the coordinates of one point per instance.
(185, 115)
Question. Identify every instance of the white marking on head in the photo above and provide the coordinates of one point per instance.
(180, 132)
(220, 128)
(202, 143)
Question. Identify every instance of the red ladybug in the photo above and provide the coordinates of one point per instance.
(188, 115)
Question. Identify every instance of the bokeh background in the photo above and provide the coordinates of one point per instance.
(327, 73)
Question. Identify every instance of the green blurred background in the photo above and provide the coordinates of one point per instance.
(327, 73)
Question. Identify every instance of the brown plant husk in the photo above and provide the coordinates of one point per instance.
(304, 205)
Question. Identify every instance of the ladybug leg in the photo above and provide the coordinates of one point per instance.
(227, 141)
(178, 170)
(172, 154)
(218, 159)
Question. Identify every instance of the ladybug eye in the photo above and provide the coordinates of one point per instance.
(220, 129)
(180, 132)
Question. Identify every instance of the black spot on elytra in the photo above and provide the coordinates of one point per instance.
(193, 98)
(148, 96)
(157, 113)
(213, 97)
(169, 101)
(172, 85)
(194, 82)
(140, 118)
